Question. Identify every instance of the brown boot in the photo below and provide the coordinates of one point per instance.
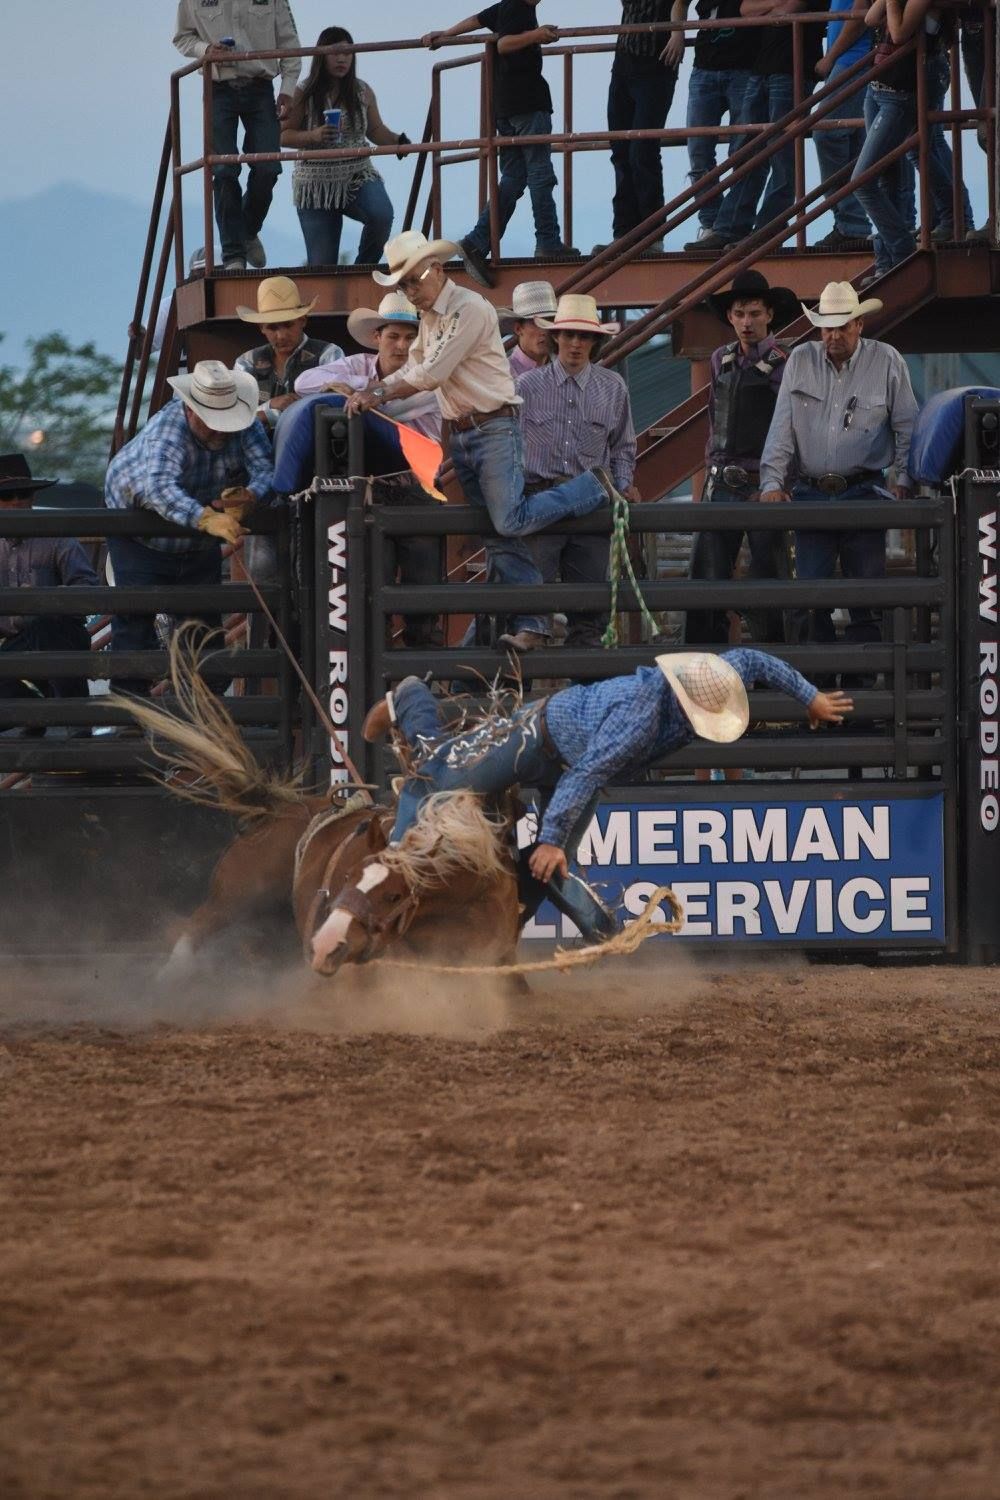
(378, 720)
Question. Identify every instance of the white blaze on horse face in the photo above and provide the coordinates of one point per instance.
(334, 930)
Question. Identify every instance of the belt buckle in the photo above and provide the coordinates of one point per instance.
(736, 477)
(832, 484)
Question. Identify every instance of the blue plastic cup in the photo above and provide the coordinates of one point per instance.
(333, 118)
(227, 41)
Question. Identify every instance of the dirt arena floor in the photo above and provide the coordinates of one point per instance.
(667, 1231)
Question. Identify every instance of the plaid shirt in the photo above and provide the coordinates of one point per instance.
(624, 724)
(166, 469)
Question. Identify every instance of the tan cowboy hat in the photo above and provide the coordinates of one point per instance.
(364, 323)
(278, 301)
(710, 692)
(408, 250)
(838, 304)
(531, 300)
(225, 400)
(575, 314)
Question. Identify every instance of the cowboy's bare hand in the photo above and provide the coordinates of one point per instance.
(282, 105)
(547, 34)
(673, 53)
(769, 496)
(360, 401)
(632, 493)
(217, 53)
(822, 68)
(546, 861)
(282, 403)
(829, 708)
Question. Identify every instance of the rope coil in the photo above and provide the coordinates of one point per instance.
(619, 560)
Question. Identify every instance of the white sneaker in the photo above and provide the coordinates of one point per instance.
(256, 254)
(236, 264)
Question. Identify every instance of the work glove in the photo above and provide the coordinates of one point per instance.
(218, 523)
(237, 500)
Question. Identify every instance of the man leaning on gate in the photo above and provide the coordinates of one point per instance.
(844, 416)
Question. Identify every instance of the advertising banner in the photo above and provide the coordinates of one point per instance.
(829, 870)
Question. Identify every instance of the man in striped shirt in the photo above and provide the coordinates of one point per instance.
(575, 414)
(844, 415)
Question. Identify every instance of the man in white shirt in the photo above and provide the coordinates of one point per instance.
(242, 93)
(458, 354)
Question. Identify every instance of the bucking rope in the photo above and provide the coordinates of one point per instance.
(619, 561)
(621, 945)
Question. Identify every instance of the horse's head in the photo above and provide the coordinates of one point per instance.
(357, 911)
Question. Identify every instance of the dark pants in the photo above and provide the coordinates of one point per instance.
(138, 566)
(861, 554)
(714, 557)
(47, 633)
(490, 763)
(413, 559)
(575, 559)
(639, 98)
(240, 216)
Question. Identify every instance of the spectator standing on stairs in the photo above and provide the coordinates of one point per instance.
(847, 41)
(745, 379)
(643, 78)
(522, 105)
(242, 94)
(458, 354)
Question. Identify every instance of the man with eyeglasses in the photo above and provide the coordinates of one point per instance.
(844, 416)
(459, 354)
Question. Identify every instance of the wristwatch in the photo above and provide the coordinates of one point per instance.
(379, 392)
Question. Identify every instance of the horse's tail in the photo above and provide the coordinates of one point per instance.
(202, 738)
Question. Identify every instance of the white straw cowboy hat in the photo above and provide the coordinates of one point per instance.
(408, 250)
(531, 300)
(838, 304)
(225, 400)
(576, 314)
(278, 301)
(710, 692)
(364, 322)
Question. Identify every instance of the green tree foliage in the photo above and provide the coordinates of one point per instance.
(69, 393)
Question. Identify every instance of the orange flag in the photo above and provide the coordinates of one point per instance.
(423, 455)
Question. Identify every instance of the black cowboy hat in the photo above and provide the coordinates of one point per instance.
(15, 477)
(749, 284)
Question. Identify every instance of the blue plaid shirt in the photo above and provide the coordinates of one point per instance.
(624, 724)
(165, 468)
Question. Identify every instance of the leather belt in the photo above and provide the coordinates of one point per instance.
(480, 418)
(548, 742)
(735, 476)
(836, 484)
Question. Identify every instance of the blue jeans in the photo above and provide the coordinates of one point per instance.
(712, 94)
(322, 227)
(487, 463)
(240, 217)
(940, 163)
(523, 167)
(714, 557)
(137, 566)
(766, 99)
(491, 768)
(861, 555)
(887, 199)
(639, 98)
(840, 148)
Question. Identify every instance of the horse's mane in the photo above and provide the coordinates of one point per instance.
(452, 834)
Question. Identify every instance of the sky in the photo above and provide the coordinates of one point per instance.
(106, 66)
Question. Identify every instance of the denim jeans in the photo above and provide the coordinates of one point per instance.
(890, 117)
(575, 559)
(322, 227)
(490, 768)
(639, 98)
(523, 167)
(240, 217)
(766, 99)
(712, 94)
(861, 555)
(47, 633)
(840, 148)
(940, 163)
(714, 557)
(487, 463)
(137, 566)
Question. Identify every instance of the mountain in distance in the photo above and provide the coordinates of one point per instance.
(70, 259)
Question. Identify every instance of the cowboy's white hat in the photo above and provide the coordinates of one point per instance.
(225, 400)
(278, 301)
(364, 322)
(576, 314)
(838, 304)
(711, 693)
(408, 250)
(531, 299)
